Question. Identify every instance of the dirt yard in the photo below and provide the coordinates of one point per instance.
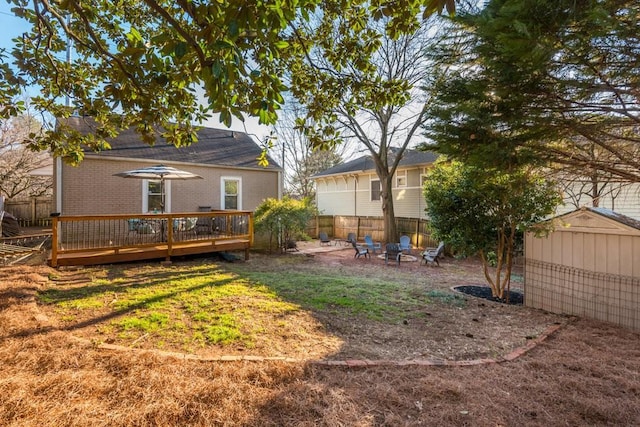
(585, 374)
(464, 328)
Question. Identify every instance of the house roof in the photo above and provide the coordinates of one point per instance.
(365, 163)
(220, 147)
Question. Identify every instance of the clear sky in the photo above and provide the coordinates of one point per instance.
(12, 27)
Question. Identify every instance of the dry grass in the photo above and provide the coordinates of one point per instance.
(587, 374)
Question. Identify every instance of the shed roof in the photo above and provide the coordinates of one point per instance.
(365, 163)
(219, 147)
(597, 220)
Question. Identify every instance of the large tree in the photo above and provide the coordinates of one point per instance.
(299, 159)
(480, 211)
(361, 81)
(17, 162)
(139, 63)
(557, 80)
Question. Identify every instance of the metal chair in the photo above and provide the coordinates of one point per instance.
(392, 250)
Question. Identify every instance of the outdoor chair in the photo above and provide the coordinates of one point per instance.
(142, 231)
(360, 251)
(405, 244)
(392, 250)
(204, 225)
(142, 226)
(219, 226)
(290, 245)
(133, 225)
(324, 239)
(373, 247)
(351, 237)
(431, 255)
(185, 225)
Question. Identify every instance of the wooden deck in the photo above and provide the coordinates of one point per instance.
(107, 239)
(111, 256)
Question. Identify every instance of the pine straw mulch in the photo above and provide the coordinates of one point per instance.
(588, 373)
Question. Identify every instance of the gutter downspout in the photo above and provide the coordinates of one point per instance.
(58, 184)
(355, 194)
(67, 103)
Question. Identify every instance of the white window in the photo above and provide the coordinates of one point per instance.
(152, 196)
(401, 179)
(375, 189)
(423, 179)
(231, 193)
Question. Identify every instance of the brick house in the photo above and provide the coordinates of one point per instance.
(227, 160)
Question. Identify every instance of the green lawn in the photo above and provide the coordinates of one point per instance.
(196, 304)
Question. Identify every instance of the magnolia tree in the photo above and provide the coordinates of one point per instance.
(138, 64)
(480, 212)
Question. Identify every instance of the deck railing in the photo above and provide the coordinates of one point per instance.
(83, 233)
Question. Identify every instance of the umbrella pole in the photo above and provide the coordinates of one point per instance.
(162, 195)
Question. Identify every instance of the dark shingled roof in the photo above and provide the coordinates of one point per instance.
(219, 147)
(365, 163)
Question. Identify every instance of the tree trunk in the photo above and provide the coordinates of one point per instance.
(595, 193)
(501, 280)
(390, 229)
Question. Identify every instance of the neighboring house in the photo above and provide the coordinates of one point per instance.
(227, 160)
(621, 197)
(353, 188)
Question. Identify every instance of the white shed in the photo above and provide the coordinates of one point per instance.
(588, 266)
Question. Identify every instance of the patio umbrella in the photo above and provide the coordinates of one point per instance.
(160, 172)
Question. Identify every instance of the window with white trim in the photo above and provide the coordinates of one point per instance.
(152, 196)
(231, 193)
(423, 179)
(375, 189)
(401, 178)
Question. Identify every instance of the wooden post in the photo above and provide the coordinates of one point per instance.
(54, 242)
(334, 226)
(33, 211)
(250, 234)
(169, 236)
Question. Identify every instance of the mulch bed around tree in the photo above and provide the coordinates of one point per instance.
(515, 298)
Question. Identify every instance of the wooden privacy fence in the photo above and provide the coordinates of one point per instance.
(340, 226)
(30, 212)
